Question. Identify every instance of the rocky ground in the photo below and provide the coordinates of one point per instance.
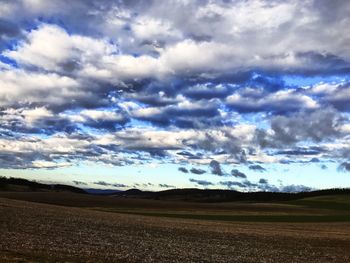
(48, 233)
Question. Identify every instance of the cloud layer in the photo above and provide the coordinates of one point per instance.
(189, 82)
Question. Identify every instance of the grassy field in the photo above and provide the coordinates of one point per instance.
(68, 227)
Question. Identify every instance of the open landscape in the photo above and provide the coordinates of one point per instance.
(66, 226)
(175, 131)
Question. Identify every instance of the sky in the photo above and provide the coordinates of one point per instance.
(230, 94)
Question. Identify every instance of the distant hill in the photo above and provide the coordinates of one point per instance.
(94, 191)
(209, 195)
(189, 194)
(23, 185)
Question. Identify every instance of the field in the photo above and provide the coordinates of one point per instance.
(68, 227)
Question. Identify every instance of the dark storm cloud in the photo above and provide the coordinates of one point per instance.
(201, 182)
(183, 170)
(197, 171)
(257, 167)
(237, 173)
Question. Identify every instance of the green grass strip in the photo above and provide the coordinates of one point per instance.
(248, 218)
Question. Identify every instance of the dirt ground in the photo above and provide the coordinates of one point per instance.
(31, 232)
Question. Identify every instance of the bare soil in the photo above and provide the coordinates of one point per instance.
(33, 232)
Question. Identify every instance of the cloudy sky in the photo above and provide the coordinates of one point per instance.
(246, 95)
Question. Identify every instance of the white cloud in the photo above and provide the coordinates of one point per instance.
(51, 48)
(94, 115)
(21, 87)
(283, 100)
(49, 165)
(152, 28)
(136, 59)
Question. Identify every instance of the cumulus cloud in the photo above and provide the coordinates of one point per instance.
(295, 188)
(21, 88)
(257, 167)
(216, 168)
(345, 167)
(197, 170)
(263, 181)
(103, 183)
(184, 82)
(99, 118)
(56, 151)
(263, 185)
(280, 101)
(317, 126)
(165, 186)
(80, 183)
(324, 167)
(42, 120)
(183, 170)
(185, 114)
(234, 184)
(237, 173)
(211, 27)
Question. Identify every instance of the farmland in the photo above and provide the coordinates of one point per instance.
(71, 227)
